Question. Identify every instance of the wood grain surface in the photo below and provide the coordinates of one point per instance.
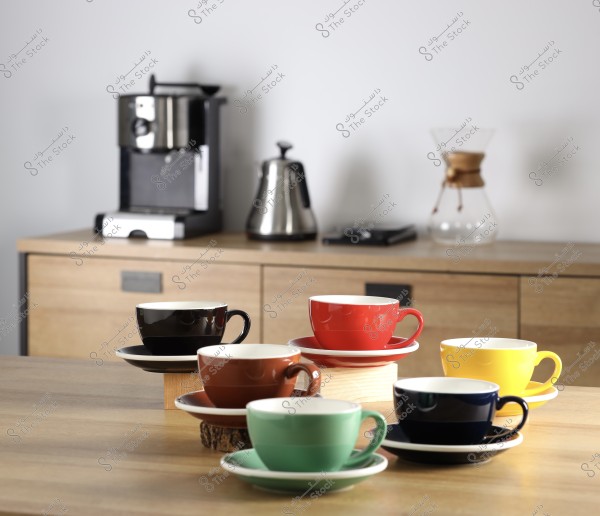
(421, 255)
(564, 316)
(92, 439)
(86, 303)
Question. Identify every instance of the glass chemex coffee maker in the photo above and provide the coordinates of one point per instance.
(169, 164)
(462, 214)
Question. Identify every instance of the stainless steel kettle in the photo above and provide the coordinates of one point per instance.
(281, 209)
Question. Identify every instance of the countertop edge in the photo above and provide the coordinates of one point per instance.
(422, 255)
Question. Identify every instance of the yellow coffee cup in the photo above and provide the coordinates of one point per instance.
(507, 362)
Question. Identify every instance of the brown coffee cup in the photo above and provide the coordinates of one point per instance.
(234, 375)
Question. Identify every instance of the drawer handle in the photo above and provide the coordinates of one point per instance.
(402, 293)
(136, 281)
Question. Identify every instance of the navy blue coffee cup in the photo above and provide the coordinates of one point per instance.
(442, 410)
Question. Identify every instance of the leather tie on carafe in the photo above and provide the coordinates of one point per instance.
(463, 172)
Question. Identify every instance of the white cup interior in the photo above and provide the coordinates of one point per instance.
(446, 385)
(303, 406)
(354, 300)
(182, 305)
(489, 343)
(248, 351)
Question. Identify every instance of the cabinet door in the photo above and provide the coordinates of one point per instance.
(453, 305)
(564, 316)
(83, 312)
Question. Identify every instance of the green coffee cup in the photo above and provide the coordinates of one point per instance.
(310, 434)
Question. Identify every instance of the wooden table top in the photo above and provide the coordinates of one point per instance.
(502, 257)
(61, 417)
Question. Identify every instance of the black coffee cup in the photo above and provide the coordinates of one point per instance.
(442, 410)
(183, 327)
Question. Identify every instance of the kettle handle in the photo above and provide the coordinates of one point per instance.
(283, 148)
(300, 179)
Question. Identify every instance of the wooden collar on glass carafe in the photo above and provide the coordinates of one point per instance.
(463, 169)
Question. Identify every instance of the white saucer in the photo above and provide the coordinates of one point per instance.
(248, 467)
(198, 405)
(535, 401)
(140, 356)
(454, 448)
(337, 353)
(397, 444)
(538, 398)
(311, 349)
(141, 353)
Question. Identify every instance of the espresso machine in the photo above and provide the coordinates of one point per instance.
(169, 164)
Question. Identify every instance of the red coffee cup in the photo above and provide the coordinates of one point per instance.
(348, 323)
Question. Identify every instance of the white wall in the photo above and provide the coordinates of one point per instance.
(90, 43)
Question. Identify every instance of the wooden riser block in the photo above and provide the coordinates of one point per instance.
(176, 384)
(357, 384)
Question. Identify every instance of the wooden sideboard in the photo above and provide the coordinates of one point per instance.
(81, 292)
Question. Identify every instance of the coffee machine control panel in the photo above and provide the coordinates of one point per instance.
(142, 128)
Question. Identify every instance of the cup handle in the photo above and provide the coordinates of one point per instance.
(520, 401)
(374, 443)
(541, 355)
(245, 330)
(402, 313)
(314, 377)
